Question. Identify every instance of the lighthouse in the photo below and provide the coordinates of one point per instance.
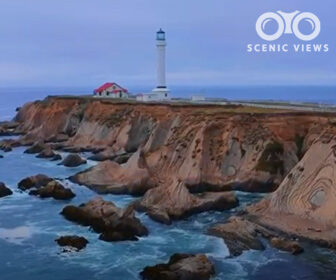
(161, 87)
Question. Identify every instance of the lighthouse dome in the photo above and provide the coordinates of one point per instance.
(161, 35)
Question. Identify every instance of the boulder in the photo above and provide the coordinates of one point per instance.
(286, 245)
(55, 190)
(36, 148)
(239, 235)
(36, 181)
(174, 201)
(73, 160)
(73, 241)
(181, 267)
(4, 191)
(113, 223)
(46, 153)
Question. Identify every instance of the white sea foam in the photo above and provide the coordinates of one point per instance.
(16, 235)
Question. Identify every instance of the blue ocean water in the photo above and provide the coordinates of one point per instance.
(29, 226)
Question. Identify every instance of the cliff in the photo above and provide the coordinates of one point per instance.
(304, 204)
(184, 158)
(211, 148)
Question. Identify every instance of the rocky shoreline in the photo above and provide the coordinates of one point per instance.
(183, 160)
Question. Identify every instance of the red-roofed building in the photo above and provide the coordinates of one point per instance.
(112, 90)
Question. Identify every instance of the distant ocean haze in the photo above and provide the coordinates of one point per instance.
(11, 98)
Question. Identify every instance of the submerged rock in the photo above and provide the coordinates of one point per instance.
(113, 223)
(173, 201)
(4, 191)
(36, 181)
(55, 190)
(181, 267)
(286, 245)
(73, 160)
(77, 242)
(1, 156)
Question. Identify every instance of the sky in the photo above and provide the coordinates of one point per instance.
(86, 43)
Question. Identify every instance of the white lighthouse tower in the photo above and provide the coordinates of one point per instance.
(161, 88)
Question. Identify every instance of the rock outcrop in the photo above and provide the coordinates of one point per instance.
(36, 181)
(72, 241)
(46, 153)
(304, 204)
(111, 177)
(286, 245)
(113, 223)
(36, 148)
(239, 235)
(8, 128)
(174, 201)
(303, 207)
(181, 267)
(55, 190)
(4, 191)
(73, 160)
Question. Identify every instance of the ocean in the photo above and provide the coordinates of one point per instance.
(29, 226)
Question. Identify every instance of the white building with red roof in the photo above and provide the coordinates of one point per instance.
(111, 90)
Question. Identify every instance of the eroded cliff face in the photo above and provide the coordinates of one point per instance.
(211, 148)
(304, 204)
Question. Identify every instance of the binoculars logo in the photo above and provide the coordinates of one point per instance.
(288, 23)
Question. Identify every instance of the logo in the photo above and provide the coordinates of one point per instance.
(288, 23)
(305, 26)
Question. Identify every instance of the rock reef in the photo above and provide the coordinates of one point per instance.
(181, 267)
(174, 201)
(55, 190)
(113, 223)
(72, 241)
